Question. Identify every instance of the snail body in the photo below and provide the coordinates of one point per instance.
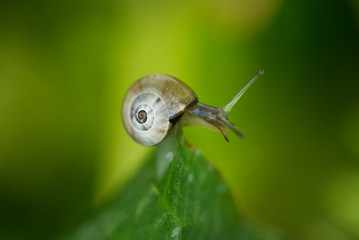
(156, 102)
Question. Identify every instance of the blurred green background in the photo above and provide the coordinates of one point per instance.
(66, 65)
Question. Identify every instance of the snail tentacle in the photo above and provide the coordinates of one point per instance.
(211, 118)
(228, 107)
(217, 118)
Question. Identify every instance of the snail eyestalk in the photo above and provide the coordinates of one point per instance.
(227, 108)
(215, 118)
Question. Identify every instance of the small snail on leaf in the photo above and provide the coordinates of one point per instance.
(156, 102)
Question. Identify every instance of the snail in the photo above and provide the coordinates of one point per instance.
(155, 103)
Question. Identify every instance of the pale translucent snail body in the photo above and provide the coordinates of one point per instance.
(156, 102)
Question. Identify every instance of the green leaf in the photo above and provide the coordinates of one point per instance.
(176, 195)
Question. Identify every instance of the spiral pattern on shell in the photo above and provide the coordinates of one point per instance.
(152, 104)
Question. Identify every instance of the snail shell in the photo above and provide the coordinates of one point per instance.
(152, 105)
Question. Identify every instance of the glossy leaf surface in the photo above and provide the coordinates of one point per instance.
(188, 201)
